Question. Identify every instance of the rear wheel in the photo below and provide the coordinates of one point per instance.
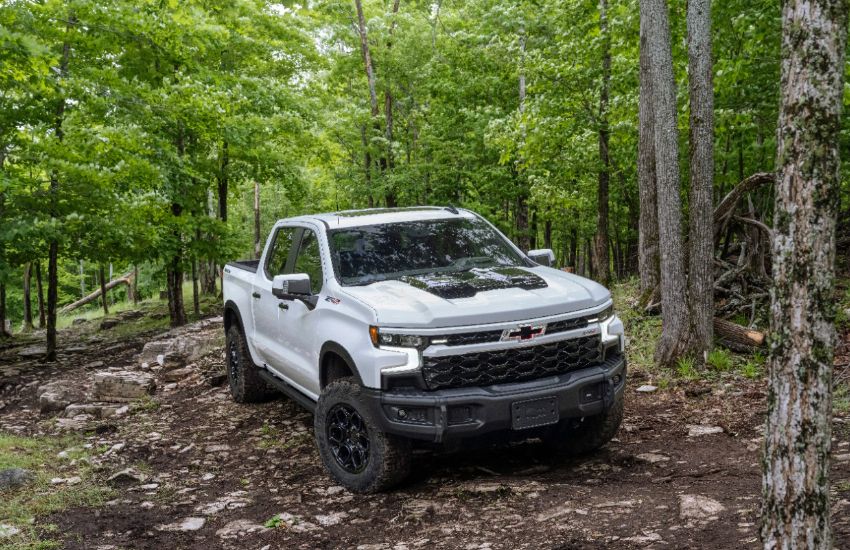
(579, 436)
(353, 448)
(246, 386)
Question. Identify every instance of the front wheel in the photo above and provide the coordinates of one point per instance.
(353, 448)
(580, 436)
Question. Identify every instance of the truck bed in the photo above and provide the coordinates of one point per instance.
(247, 265)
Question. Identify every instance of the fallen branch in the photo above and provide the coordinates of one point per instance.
(123, 280)
(737, 337)
(724, 210)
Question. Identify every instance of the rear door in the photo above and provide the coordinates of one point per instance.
(278, 260)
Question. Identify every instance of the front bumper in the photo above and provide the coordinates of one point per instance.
(469, 412)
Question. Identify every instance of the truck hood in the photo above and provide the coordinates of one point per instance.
(478, 296)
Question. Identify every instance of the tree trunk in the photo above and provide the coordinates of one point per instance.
(174, 276)
(196, 302)
(574, 249)
(3, 332)
(103, 296)
(602, 265)
(39, 288)
(523, 239)
(28, 326)
(390, 195)
(675, 331)
(547, 234)
(53, 243)
(648, 260)
(701, 232)
(796, 509)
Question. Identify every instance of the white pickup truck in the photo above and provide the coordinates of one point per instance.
(398, 326)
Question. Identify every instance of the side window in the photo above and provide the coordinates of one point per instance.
(309, 260)
(279, 253)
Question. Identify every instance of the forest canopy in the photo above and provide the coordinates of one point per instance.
(144, 136)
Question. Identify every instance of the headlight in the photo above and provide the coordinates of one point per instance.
(604, 315)
(380, 338)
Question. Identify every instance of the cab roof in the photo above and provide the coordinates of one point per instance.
(378, 216)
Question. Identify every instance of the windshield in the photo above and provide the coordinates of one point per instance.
(363, 255)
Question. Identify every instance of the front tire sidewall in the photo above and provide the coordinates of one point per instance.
(388, 462)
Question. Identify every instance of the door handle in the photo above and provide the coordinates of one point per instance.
(256, 295)
(281, 305)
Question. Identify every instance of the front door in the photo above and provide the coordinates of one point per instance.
(299, 323)
(267, 313)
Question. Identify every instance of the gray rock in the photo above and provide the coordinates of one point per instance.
(32, 352)
(122, 385)
(646, 388)
(697, 431)
(7, 531)
(652, 458)
(191, 342)
(699, 508)
(14, 477)
(187, 524)
(126, 477)
(331, 519)
(96, 410)
(79, 321)
(56, 396)
(239, 528)
(177, 374)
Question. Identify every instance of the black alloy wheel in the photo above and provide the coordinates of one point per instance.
(348, 438)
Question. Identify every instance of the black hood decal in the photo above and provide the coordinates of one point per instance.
(466, 284)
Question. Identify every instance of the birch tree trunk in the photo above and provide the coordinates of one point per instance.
(648, 260)
(701, 232)
(796, 510)
(674, 341)
(602, 261)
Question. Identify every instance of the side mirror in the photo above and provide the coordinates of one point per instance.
(295, 286)
(542, 256)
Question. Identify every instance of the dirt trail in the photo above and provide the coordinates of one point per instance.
(208, 473)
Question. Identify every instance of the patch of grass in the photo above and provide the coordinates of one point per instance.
(20, 507)
(145, 403)
(841, 398)
(686, 368)
(720, 359)
(273, 522)
(642, 331)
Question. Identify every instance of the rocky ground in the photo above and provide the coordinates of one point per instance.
(186, 467)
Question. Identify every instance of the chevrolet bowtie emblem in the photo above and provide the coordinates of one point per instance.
(523, 332)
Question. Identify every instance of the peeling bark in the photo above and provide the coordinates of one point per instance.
(795, 512)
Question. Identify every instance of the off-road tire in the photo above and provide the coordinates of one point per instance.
(243, 376)
(389, 457)
(576, 437)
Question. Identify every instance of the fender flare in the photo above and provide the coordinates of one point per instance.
(333, 347)
(230, 306)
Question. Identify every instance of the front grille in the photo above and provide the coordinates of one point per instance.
(510, 365)
(567, 324)
(467, 338)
